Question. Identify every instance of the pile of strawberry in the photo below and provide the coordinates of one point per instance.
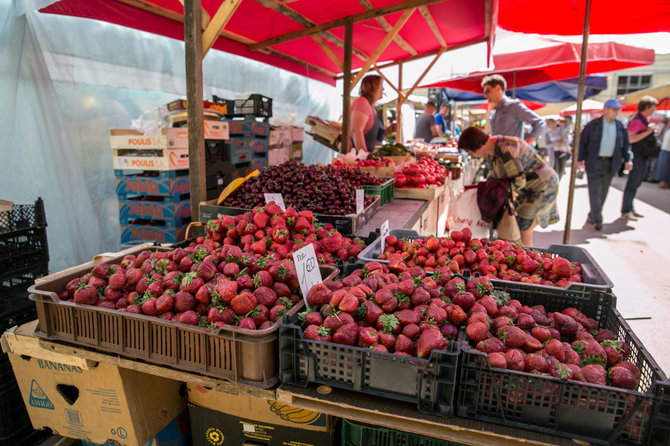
(497, 259)
(200, 285)
(269, 231)
(421, 175)
(398, 310)
(564, 344)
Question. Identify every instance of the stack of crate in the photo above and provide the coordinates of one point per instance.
(24, 257)
(248, 144)
(285, 144)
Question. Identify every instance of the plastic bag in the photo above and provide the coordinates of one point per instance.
(467, 215)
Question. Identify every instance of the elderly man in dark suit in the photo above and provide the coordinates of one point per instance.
(603, 146)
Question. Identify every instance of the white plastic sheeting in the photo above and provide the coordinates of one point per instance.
(65, 82)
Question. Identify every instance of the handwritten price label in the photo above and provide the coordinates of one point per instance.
(384, 230)
(360, 200)
(277, 198)
(307, 268)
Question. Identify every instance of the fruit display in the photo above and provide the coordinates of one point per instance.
(387, 308)
(565, 344)
(371, 161)
(201, 285)
(497, 259)
(392, 150)
(323, 189)
(421, 175)
(269, 231)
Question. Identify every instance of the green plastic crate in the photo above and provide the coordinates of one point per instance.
(384, 190)
(360, 434)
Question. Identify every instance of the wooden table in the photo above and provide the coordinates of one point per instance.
(341, 403)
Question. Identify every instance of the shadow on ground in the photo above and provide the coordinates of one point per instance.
(579, 236)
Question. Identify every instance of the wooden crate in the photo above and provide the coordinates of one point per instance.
(419, 194)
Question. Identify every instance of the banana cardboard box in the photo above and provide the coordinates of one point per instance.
(222, 419)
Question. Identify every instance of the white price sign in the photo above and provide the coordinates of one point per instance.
(277, 198)
(384, 230)
(360, 200)
(307, 267)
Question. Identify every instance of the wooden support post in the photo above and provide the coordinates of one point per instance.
(382, 46)
(578, 120)
(194, 101)
(399, 102)
(346, 90)
(213, 30)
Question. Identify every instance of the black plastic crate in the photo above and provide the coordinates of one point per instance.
(598, 414)
(19, 249)
(429, 383)
(23, 216)
(361, 434)
(13, 414)
(256, 105)
(18, 281)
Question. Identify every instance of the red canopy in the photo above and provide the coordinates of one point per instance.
(566, 17)
(458, 22)
(553, 63)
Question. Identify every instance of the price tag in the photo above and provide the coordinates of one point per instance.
(384, 232)
(360, 200)
(307, 268)
(277, 198)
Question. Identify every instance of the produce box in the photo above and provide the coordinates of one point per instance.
(177, 433)
(297, 134)
(248, 126)
(592, 274)
(88, 400)
(150, 159)
(232, 353)
(259, 162)
(221, 418)
(359, 434)
(583, 411)
(154, 208)
(347, 225)
(323, 129)
(429, 383)
(247, 146)
(277, 156)
(384, 190)
(280, 136)
(161, 231)
(168, 138)
(155, 183)
(296, 151)
(23, 243)
(413, 193)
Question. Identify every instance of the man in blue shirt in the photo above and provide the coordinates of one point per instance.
(509, 115)
(603, 146)
(442, 120)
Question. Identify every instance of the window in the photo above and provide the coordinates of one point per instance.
(628, 84)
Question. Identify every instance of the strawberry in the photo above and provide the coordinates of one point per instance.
(149, 307)
(367, 336)
(206, 270)
(85, 294)
(259, 314)
(265, 296)
(525, 321)
(490, 345)
(497, 359)
(302, 225)
(622, 377)
(595, 374)
(561, 267)
(489, 304)
(404, 344)
(277, 312)
(97, 282)
(317, 333)
(243, 303)
(531, 344)
(420, 297)
(631, 368)
(542, 334)
(565, 325)
(580, 317)
(184, 301)
(245, 282)
(456, 315)
(387, 340)
(454, 286)
(428, 341)
(319, 295)
(118, 281)
(408, 317)
(313, 318)
(535, 362)
(203, 295)
(479, 287)
(555, 348)
(189, 317)
(516, 359)
(261, 219)
(349, 303)
(613, 352)
(412, 331)
(247, 323)
(333, 322)
(605, 335)
(477, 331)
(191, 283)
(226, 289)
(576, 372)
(558, 370)
(100, 270)
(214, 315)
(388, 323)
(512, 336)
(347, 334)
(464, 300)
(435, 314)
(500, 322)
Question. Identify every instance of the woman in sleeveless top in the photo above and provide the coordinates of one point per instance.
(367, 128)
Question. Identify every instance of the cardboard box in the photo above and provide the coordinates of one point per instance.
(138, 208)
(221, 419)
(280, 136)
(156, 159)
(165, 184)
(297, 134)
(296, 151)
(170, 138)
(277, 156)
(177, 433)
(96, 402)
(133, 232)
(248, 126)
